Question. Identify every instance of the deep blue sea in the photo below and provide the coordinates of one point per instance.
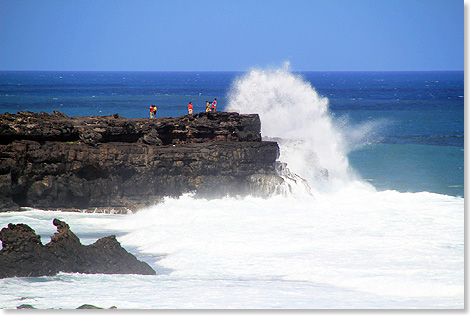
(385, 230)
(416, 146)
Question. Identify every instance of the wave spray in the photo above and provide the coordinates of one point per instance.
(293, 113)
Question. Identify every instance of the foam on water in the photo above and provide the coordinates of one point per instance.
(370, 242)
(349, 249)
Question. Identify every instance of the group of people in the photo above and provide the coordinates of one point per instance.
(210, 107)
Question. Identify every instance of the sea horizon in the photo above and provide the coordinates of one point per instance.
(247, 70)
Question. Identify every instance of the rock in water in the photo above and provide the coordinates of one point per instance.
(88, 307)
(51, 161)
(26, 307)
(23, 254)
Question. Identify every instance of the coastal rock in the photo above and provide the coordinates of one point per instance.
(82, 307)
(89, 307)
(23, 254)
(52, 161)
(25, 307)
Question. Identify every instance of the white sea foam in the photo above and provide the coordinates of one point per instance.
(349, 249)
(370, 242)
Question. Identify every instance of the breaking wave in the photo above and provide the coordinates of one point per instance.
(292, 113)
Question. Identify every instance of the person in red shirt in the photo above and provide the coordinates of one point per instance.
(214, 103)
(153, 111)
(190, 108)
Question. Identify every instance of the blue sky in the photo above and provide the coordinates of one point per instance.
(218, 35)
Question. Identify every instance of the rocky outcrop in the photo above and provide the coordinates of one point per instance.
(23, 254)
(51, 161)
(82, 307)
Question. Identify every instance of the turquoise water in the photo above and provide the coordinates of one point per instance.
(411, 167)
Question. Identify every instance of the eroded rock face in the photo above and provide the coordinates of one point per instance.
(23, 254)
(51, 161)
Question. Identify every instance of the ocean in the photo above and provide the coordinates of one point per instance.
(383, 230)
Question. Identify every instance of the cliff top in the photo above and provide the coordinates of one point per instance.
(190, 128)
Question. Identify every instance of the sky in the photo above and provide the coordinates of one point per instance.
(231, 35)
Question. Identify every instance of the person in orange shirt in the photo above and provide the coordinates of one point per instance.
(190, 108)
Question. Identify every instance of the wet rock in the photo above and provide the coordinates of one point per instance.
(88, 307)
(25, 306)
(23, 254)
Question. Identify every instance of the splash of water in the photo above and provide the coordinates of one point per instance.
(292, 112)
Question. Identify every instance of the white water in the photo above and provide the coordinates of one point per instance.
(344, 246)
(290, 109)
(349, 250)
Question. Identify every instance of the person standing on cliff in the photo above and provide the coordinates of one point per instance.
(153, 111)
(214, 104)
(190, 108)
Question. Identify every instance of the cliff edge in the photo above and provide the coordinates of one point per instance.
(52, 161)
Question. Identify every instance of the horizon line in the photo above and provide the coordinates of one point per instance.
(448, 70)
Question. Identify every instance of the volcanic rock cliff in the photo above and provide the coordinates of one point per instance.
(52, 161)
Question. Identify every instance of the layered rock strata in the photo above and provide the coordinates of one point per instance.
(51, 161)
(23, 254)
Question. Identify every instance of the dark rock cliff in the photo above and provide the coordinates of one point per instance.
(23, 254)
(52, 161)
